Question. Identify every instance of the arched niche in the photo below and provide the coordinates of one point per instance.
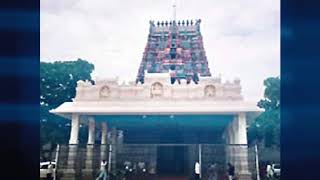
(105, 92)
(210, 91)
(156, 90)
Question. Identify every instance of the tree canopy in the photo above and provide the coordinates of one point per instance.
(266, 128)
(58, 81)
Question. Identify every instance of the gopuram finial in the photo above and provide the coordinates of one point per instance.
(174, 10)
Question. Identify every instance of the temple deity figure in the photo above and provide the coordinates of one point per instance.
(198, 24)
(105, 92)
(210, 91)
(156, 90)
(151, 26)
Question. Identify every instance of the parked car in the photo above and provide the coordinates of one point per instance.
(276, 170)
(44, 169)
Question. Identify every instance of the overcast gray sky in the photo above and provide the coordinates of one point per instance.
(241, 37)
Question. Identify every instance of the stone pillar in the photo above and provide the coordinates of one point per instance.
(233, 142)
(242, 128)
(70, 172)
(74, 133)
(91, 130)
(230, 143)
(104, 145)
(114, 149)
(241, 150)
(227, 142)
(88, 171)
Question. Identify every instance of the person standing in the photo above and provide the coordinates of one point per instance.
(50, 171)
(269, 171)
(197, 170)
(231, 171)
(103, 170)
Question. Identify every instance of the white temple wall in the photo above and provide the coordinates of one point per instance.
(159, 87)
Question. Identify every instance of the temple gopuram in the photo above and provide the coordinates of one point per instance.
(175, 47)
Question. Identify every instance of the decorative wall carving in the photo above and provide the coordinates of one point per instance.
(210, 91)
(156, 90)
(105, 92)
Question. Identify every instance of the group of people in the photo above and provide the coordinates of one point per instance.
(213, 171)
(128, 166)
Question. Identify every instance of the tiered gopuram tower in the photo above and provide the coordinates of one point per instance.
(175, 47)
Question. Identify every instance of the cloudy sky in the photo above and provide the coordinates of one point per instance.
(241, 37)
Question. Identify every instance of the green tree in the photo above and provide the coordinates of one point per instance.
(266, 128)
(58, 81)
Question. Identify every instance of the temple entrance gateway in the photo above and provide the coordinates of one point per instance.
(169, 145)
(131, 124)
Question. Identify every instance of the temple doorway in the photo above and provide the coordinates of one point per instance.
(172, 160)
